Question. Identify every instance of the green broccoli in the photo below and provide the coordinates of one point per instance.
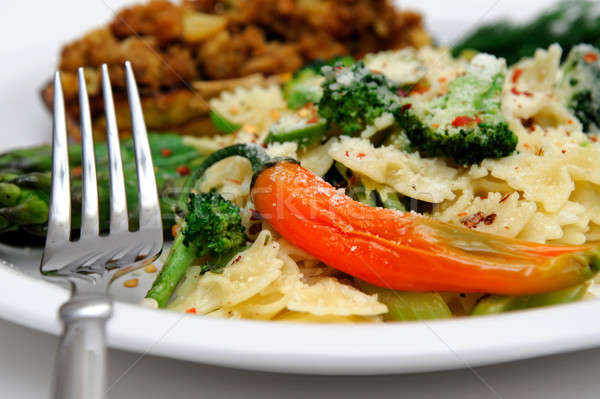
(465, 125)
(305, 85)
(580, 85)
(354, 97)
(212, 229)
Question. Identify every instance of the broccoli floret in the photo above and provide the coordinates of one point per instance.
(214, 225)
(305, 85)
(465, 125)
(580, 85)
(354, 97)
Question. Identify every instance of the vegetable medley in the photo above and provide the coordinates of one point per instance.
(330, 198)
(406, 185)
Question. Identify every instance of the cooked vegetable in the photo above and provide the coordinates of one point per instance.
(580, 85)
(567, 23)
(9, 194)
(497, 304)
(465, 125)
(213, 226)
(404, 306)
(293, 128)
(212, 229)
(305, 85)
(354, 97)
(34, 159)
(368, 192)
(25, 187)
(407, 251)
(303, 88)
(223, 125)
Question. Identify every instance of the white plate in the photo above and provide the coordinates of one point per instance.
(30, 57)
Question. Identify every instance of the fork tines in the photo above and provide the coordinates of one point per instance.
(149, 235)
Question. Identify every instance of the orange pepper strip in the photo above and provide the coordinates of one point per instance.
(406, 251)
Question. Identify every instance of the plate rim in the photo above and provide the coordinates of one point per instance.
(318, 349)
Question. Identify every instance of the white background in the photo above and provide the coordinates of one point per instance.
(26, 355)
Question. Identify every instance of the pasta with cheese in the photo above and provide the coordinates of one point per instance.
(546, 191)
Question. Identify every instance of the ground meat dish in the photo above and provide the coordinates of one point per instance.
(172, 45)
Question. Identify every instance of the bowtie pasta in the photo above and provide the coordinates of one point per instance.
(546, 189)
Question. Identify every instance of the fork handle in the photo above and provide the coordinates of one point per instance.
(80, 370)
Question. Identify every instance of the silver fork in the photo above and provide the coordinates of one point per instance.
(90, 263)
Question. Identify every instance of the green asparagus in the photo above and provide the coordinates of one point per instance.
(25, 182)
(212, 230)
(499, 303)
(403, 306)
(568, 23)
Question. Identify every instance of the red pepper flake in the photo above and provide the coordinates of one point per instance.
(594, 139)
(570, 121)
(191, 311)
(489, 219)
(360, 155)
(339, 67)
(77, 171)
(175, 230)
(462, 214)
(473, 220)
(420, 88)
(234, 181)
(402, 93)
(505, 198)
(507, 227)
(517, 74)
(464, 121)
(564, 151)
(314, 119)
(527, 123)
(239, 257)
(515, 91)
(590, 57)
(183, 170)
(442, 79)
(166, 152)
(405, 107)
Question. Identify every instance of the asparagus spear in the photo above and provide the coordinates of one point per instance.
(499, 303)
(25, 182)
(568, 23)
(404, 306)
